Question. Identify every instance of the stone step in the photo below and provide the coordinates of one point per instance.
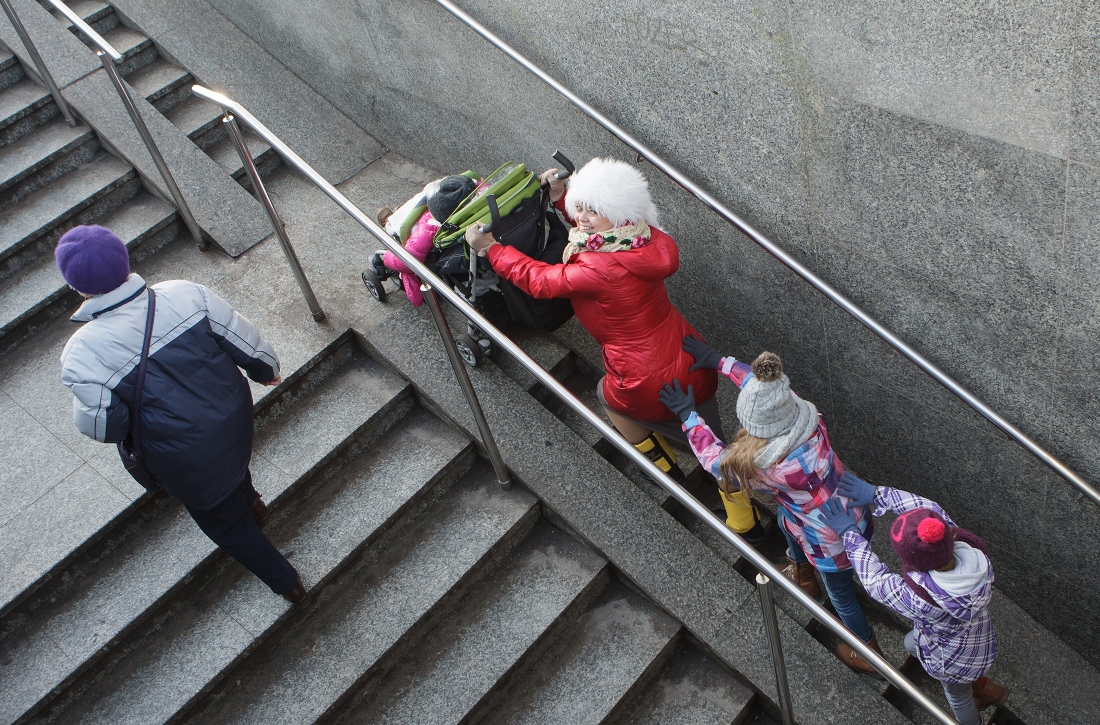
(223, 615)
(100, 15)
(611, 653)
(38, 158)
(199, 120)
(10, 70)
(376, 609)
(37, 294)
(83, 195)
(162, 83)
(24, 105)
(692, 689)
(264, 157)
(541, 587)
(69, 623)
(136, 48)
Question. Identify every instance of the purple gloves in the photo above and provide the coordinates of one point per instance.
(837, 518)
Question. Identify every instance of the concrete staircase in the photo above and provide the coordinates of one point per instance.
(583, 594)
(167, 86)
(52, 177)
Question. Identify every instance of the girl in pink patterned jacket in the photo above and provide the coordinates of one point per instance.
(783, 449)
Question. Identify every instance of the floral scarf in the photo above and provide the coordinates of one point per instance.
(632, 236)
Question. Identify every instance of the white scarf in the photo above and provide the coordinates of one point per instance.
(631, 236)
(804, 426)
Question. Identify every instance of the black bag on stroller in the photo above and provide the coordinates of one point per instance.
(535, 229)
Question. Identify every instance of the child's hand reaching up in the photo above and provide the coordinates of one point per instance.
(837, 518)
(855, 488)
(705, 356)
(676, 400)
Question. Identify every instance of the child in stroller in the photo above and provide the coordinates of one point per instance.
(439, 200)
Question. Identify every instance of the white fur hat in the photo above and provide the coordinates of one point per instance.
(614, 190)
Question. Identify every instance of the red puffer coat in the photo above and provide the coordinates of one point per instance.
(620, 298)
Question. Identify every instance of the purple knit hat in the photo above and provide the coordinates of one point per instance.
(92, 259)
(923, 540)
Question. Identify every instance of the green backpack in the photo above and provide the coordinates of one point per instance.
(511, 185)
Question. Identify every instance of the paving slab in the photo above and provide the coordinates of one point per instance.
(305, 670)
(614, 646)
(222, 56)
(549, 577)
(692, 690)
(210, 625)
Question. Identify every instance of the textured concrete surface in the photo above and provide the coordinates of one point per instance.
(915, 158)
(117, 590)
(228, 612)
(547, 578)
(221, 207)
(302, 672)
(691, 690)
(615, 644)
(220, 55)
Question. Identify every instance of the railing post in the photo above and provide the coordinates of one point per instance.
(43, 71)
(771, 626)
(280, 231)
(154, 152)
(463, 377)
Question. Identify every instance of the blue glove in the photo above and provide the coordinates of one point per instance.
(855, 488)
(837, 518)
(705, 356)
(676, 400)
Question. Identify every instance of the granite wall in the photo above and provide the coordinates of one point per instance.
(937, 161)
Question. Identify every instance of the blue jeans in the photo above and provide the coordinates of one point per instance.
(960, 696)
(841, 590)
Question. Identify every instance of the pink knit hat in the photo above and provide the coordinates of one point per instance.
(923, 540)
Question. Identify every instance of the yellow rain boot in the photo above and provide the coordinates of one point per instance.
(741, 515)
(656, 449)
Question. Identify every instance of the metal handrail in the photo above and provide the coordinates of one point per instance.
(39, 64)
(108, 57)
(556, 388)
(791, 263)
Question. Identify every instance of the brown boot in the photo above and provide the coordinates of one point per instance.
(299, 595)
(988, 693)
(383, 215)
(804, 575)
(851, 658)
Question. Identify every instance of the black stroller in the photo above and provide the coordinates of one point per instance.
(516, 208)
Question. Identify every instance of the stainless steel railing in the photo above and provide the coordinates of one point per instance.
(435, 286)
(108, 56)
(39, 64)
(790, 262)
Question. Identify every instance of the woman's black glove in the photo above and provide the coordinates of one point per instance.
(705, 356)
(676, 400)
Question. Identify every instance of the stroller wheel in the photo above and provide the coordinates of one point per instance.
(374, 285)
(469, 350)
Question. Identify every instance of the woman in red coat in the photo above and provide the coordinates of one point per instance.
(613, 271)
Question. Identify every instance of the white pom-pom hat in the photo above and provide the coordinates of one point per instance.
(613, 189)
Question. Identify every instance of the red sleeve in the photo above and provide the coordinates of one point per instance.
(544, 281)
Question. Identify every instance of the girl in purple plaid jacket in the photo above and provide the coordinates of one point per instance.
(945, 588)
(782, 450)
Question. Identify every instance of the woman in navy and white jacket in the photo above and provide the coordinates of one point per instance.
(196, 421)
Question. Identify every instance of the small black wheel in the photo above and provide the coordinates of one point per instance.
(469, 350)
(374, 285)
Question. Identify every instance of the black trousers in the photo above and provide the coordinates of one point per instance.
(230, 525)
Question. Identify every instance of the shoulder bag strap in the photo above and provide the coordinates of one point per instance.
(139, 384)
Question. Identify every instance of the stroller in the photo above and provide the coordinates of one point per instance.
(518, 211)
